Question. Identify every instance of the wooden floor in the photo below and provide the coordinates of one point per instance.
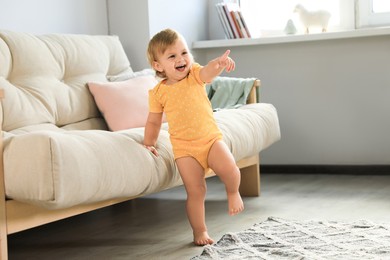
(156, 227)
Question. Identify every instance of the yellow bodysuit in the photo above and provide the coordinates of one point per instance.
(192, 127)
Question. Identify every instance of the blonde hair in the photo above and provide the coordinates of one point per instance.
(159, 44)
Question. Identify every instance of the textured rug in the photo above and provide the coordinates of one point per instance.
(278, 238)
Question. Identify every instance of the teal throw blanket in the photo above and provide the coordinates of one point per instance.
(228, 92)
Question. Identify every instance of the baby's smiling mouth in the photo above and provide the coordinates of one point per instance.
(181, 68)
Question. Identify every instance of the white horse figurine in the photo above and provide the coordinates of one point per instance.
(309, 19)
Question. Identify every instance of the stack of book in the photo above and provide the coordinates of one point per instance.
(232, 21)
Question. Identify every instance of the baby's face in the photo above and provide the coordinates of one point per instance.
(176, 62)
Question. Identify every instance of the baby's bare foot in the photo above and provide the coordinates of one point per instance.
(236, 205)
(202, 238)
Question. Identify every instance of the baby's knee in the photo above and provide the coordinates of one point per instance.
(198, 191)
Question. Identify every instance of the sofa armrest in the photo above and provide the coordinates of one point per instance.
(254, 94)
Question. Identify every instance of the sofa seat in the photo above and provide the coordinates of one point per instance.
(61, 167)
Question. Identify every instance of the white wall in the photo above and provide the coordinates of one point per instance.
(54, 16)
(135, 22)
(129, 20)
(332, 97)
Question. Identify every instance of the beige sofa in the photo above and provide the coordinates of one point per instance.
(58, 157)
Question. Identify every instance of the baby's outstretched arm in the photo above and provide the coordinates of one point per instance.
(216, 66)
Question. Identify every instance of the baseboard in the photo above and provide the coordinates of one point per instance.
(327, 169)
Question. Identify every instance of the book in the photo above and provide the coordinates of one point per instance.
(244, 24)
(240, 24)
(225, 23)
(232, 21)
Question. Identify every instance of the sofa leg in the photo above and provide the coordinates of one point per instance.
(3, 244)
(3, 207)
(3, 216)
(250, 181)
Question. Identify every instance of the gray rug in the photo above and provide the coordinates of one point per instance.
(278, 238)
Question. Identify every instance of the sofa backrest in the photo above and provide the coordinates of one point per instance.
(44, 77)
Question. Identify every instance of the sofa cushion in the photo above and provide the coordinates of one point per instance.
(45, 80)
(123, 104)
(56, 171)
(62, 169)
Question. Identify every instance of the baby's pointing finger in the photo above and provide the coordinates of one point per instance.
(226, 54)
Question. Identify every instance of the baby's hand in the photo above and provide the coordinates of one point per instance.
(226, 62)
(152, 149)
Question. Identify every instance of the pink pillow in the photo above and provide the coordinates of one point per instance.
(124, 104)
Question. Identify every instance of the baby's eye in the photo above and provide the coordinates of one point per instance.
(171, 57)
(184, 53)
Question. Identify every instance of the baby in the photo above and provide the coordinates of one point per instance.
(196, 139)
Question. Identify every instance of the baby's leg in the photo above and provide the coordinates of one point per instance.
(222, 162)
(192, 174)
